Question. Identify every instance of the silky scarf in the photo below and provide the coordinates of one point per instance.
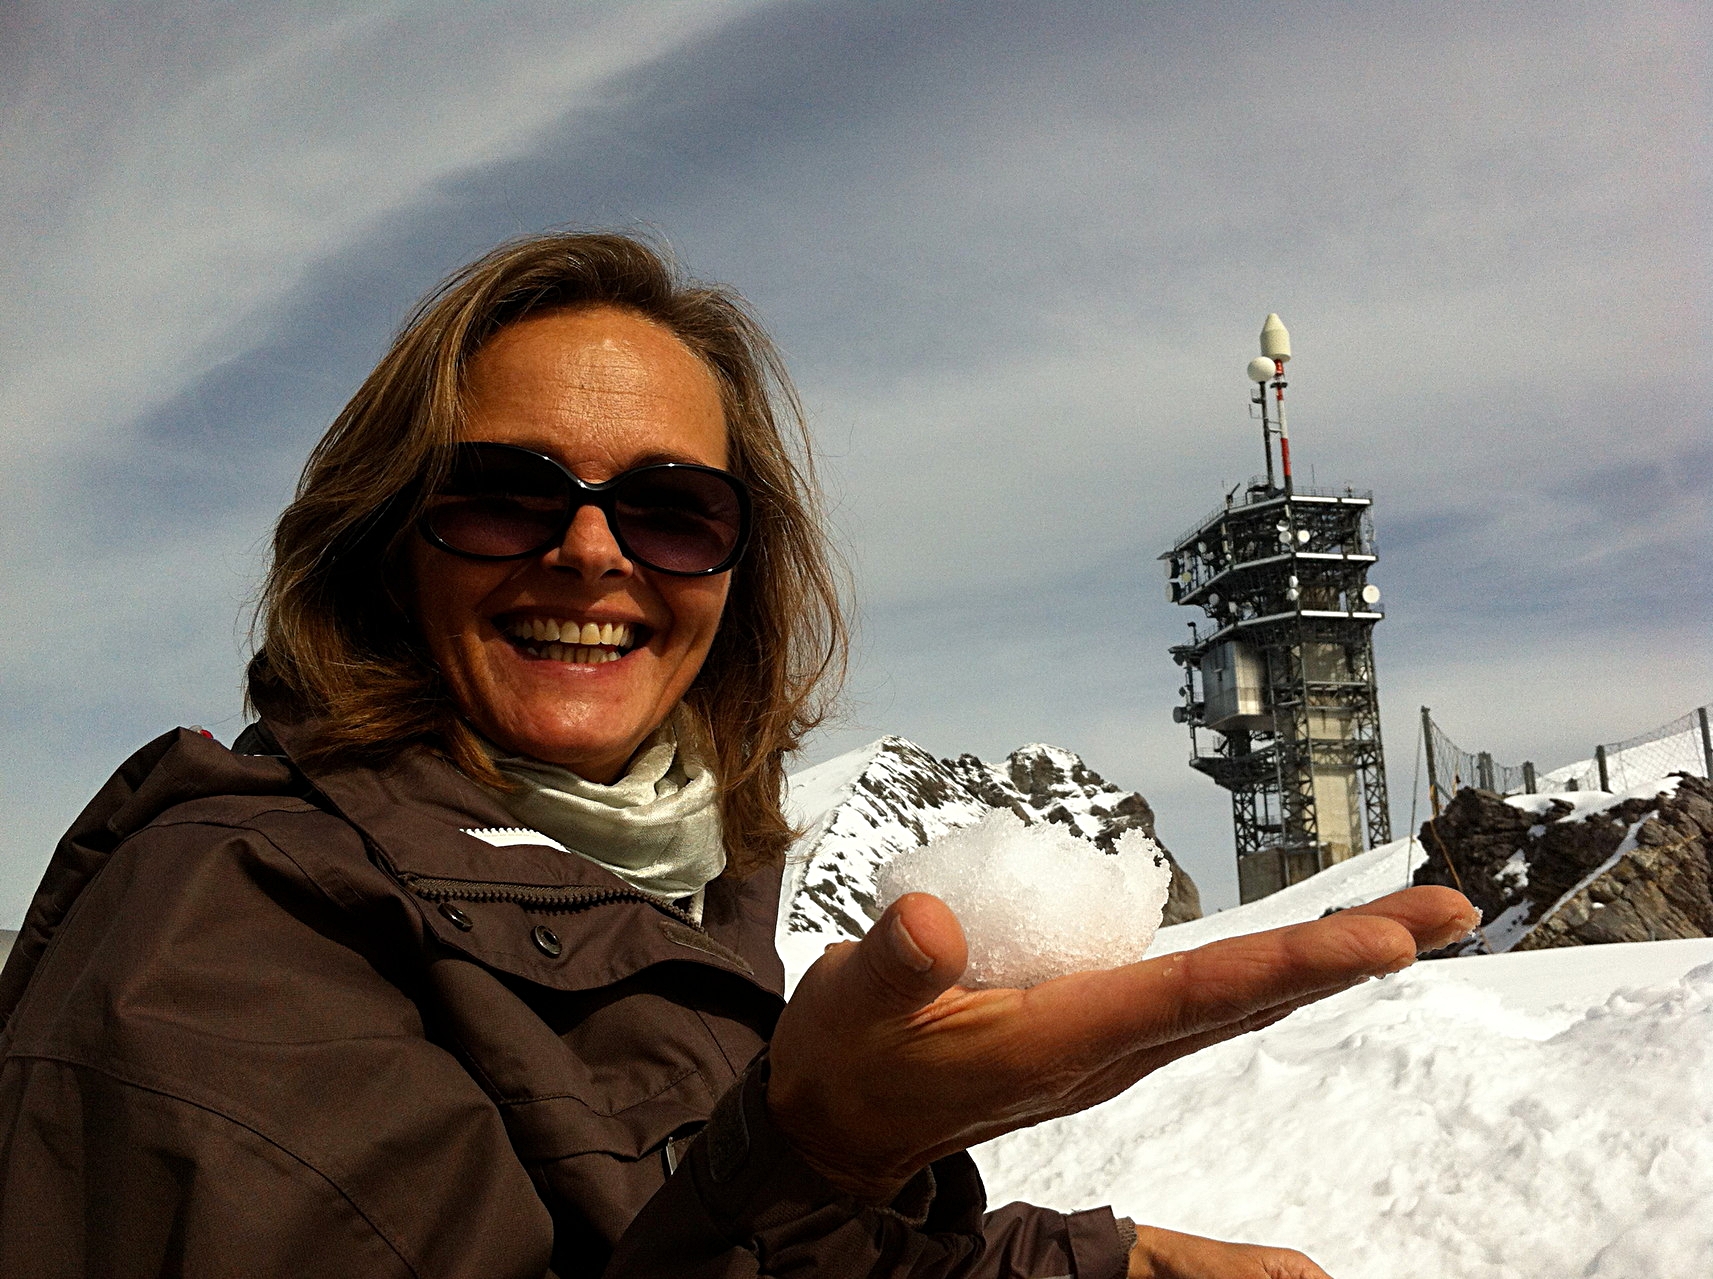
(657, 827)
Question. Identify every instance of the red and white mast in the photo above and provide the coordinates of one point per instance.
(1275, 351)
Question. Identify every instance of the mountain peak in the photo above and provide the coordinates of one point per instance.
(861, 809)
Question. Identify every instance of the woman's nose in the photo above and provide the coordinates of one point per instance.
(589, 547)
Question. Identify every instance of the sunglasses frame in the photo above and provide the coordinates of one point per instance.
(602, 496)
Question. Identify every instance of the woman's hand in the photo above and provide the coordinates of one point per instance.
(1166, 1254)
(880, 1064)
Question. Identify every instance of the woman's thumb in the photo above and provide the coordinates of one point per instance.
(915, 950)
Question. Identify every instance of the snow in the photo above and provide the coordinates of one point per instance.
(857, 811)
(1635, 765)
(1586, 803)
(1525, 1115)
(1519, 1116)
(1037, 901)
(1529, 1115)
(863, 809)
(1362, 878)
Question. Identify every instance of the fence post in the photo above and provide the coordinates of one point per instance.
(1706, 740)
(1600, 762)
(1484, 770)
(1433, 772)
(1528, 777)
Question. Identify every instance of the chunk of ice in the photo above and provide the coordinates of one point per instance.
(1035, 901)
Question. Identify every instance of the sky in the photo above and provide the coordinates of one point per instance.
(1017, 256)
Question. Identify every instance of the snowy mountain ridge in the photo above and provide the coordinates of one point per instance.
(864, 807)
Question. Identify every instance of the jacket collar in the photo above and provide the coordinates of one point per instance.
(415, 813)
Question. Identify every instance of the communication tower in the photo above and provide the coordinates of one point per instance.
(1279, 687)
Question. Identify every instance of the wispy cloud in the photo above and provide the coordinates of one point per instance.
(1018, 255)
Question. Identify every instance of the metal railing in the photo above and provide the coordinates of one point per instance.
(1684, 745)
(1259, 481)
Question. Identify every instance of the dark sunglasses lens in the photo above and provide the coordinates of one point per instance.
(498, 504)
(679, 520)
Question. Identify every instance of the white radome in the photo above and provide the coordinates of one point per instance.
(1275, 339)
(1261, 368)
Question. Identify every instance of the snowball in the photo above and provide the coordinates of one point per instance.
(1035, 901)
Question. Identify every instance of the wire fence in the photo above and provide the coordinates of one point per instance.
(1682, 746)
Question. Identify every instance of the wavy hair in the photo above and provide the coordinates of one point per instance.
(337, 647)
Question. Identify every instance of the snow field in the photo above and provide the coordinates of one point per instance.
(1532, 1116)
(1509, 1116)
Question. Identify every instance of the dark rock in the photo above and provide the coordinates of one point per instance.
(1636, 871)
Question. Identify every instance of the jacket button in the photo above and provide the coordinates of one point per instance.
(547, 941)
(459, 919)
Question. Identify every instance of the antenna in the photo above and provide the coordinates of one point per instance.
(1276, 348)
(1260, 369)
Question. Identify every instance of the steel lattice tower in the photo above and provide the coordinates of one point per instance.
(1280, 674)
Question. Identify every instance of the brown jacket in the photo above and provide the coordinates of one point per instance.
(265, 1020)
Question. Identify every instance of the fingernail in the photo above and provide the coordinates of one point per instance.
(905, 947)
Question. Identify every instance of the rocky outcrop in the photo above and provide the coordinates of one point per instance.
(861, 810)
(1578, 870)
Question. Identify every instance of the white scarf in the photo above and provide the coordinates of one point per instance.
(657, 828)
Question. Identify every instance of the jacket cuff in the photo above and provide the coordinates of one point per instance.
(749, 1173)
(1100, 1243)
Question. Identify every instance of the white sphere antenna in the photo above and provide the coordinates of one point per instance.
(1261, 368)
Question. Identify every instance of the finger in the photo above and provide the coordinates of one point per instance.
(913, 953)
(1119, 1075)
(1434, 916)
(1099, 1016)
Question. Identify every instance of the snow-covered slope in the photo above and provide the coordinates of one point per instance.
(1525, 1116)
(1517, 1116)
(1362, 878)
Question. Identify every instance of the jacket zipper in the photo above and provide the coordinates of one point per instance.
(534, 896)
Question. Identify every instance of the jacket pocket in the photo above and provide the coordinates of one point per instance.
(549, 1128)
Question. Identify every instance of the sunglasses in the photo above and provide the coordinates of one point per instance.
(502, 502)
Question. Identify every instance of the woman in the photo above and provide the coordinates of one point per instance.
(460, 963)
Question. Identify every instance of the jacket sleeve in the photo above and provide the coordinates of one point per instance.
(744, 1204)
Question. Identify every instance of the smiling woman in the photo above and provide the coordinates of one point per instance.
(460, 962)
(584, 350)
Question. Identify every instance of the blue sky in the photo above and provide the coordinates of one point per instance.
(1017, 255)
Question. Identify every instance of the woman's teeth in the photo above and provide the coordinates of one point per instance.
(579, 643)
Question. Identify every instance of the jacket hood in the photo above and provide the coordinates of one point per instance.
(174, 769)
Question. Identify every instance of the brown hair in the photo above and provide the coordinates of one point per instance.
(337, 646)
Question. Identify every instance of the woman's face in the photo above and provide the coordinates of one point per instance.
(602, 390)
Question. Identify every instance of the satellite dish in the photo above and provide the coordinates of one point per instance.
(1275, 340)
(1303, 536)
(1261, 368)
(1213, 599)
(1370, 594)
